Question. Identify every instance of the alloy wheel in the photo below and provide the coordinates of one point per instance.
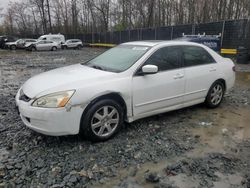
(216, 94)
(105, 121)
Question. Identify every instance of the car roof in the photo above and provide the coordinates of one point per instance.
(152, 43)
(45, 40)
(73, 39)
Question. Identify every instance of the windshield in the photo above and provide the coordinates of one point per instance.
(41, 38)
(119, 58)
(20, 41)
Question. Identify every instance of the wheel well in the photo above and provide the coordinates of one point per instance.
(114, 96)
(223, 82)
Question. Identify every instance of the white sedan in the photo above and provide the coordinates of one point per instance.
(42, 45)
(131, 81)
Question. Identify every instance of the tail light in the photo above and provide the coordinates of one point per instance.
(234, 68)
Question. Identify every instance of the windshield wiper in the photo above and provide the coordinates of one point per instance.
(97, 67)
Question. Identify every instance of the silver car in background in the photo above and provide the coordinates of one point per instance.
(19, 44)
(72, 43)
(43, 45)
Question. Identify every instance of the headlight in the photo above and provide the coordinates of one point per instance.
(54, 100)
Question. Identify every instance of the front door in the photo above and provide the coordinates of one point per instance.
(155, 92)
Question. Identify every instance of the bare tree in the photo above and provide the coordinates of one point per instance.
(90, 16)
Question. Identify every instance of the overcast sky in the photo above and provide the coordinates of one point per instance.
(4, 3)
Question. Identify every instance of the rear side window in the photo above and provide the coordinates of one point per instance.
(166, 58)
(194, 55)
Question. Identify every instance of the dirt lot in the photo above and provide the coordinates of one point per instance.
(193, 147)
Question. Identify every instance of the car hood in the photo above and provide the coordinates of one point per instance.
(10, 43)
(62, 79)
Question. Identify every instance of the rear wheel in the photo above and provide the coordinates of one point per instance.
(54, 48)
(102, 121)
(215, 95)
(33, 48)
(79, 47)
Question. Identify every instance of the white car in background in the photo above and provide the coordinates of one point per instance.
(72, 43)
(58, 38)
(131, 81)
(43, 45)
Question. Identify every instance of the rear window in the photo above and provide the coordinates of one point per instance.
(195, 55)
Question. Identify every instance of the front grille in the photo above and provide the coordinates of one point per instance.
(24, 97)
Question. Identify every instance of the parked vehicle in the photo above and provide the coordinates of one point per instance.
(6, 38)
(58, 38)
(43, 45)
(72, 43)
(19, 44)
(128, 82)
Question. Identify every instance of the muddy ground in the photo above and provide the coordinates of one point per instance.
(192, 147)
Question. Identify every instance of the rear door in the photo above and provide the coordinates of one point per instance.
(40, 45)
(200, 72)
(161, 90)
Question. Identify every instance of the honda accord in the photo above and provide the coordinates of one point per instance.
(128, 82)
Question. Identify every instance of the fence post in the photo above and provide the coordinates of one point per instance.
(155, 33)
(172, 30)
(120, 37)
(193, 29)
(138, 36)
(129, 34)
(222, 33)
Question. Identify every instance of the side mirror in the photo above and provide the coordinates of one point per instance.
(149, 69)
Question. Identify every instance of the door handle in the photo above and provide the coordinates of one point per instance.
(212, 69)
(178, 76)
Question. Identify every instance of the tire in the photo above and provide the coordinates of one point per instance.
(13, 47)
(33, 48)
(96, 126)
(54, 48)
(79, 47)
(215, 94)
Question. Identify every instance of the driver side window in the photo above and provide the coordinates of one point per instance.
(166, 58)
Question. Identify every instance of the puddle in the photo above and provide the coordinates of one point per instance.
(229, 127)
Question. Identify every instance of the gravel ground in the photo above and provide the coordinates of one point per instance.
(192, 147)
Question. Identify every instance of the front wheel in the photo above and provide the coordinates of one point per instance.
(102, 121)
(13, 47)
(215, 95)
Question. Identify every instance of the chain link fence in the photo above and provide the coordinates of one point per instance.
(234, 33)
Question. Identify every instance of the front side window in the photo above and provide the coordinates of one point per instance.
(119, 58)
(42, 42)
(166, 58)
(194, 55)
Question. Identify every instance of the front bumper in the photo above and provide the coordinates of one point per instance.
(50, 121)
